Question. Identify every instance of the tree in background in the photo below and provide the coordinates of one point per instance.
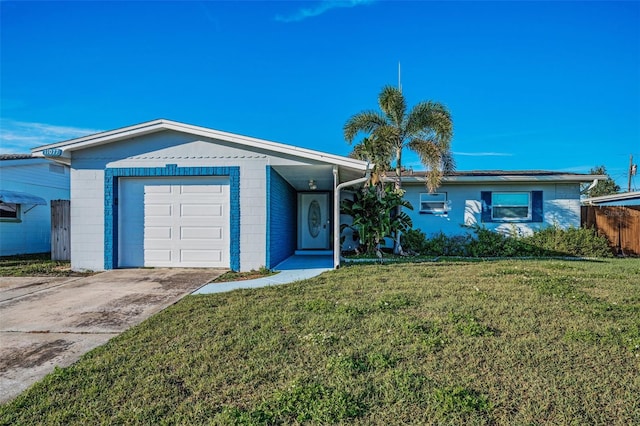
(426, 129)
(603, 187)
(377, 154)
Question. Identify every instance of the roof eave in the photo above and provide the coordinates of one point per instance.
(97, 139)
(561, 178)
(612, 197)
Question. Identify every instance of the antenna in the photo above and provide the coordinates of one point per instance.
(399, 82)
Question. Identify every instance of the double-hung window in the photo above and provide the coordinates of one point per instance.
(511, 206)
(433, 203)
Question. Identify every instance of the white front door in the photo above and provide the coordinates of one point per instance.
(314, 226)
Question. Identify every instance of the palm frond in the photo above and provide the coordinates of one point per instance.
(365, 122)
(430, 120)
(434, 158)
(393, 105)
(448, 162)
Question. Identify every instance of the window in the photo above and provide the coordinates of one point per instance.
(513, 206)
(9, 211)
(433, 203)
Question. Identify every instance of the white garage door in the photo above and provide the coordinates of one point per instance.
(185, 222)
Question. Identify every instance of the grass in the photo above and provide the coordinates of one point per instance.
(500, 342)
(39, 264)
(243, 276)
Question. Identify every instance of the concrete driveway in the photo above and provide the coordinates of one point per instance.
(47, 322)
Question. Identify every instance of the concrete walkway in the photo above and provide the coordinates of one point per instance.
(295, 268)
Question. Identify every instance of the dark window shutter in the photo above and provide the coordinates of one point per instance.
(485, 196)
(536, 206)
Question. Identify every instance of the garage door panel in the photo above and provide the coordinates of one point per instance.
(201, 233)
(158, 189)
(158, 210)
(164, 256)
(201, 210)
(158, 232)
(201, 189)
(199, 256)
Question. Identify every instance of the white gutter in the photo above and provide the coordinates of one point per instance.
(336, 210)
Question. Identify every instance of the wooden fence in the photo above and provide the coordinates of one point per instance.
(60, 230)
(621, 226)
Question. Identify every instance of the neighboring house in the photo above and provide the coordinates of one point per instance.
(27, 186)
(616, 216)
(619, 199)
(164, 193)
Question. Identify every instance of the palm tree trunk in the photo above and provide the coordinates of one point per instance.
(397, 248)
(398, 183)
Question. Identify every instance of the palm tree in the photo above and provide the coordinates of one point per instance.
(375, 153)
(427, 130)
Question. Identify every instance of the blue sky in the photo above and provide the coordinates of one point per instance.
(531, 85)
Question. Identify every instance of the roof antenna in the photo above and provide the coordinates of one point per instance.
(399, 83)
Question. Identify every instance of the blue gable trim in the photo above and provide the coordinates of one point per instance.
(111, 176)
(281, 218)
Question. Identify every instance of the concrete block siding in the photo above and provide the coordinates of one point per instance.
(281, 215)
(170, 150)
(561, 206)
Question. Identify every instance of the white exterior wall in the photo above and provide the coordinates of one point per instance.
(561, 206)
(87, 219)
(32, 176)
(158, 150)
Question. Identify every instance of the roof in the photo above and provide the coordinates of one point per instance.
(502, 176)
(621, 199)
(4, 157)
(64, 149)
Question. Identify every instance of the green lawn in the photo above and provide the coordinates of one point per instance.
(39, 264)
(509, 342)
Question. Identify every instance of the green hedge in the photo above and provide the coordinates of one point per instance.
(551, 241)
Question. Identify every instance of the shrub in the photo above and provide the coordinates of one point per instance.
(571, 241)
(486, 243)
(414, 240)
(551, 241)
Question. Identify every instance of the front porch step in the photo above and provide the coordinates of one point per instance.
(314, 252)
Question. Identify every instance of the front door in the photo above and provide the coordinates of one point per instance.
(314, 225)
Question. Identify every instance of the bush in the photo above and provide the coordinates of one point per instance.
(551, 241)
(414, 240)
(572, 241)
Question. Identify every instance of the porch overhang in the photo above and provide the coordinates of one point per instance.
(15, 197)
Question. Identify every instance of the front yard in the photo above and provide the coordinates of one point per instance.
(39, 264)
(493, 342)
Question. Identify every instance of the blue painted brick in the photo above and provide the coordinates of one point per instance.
(111, 189)
(281, 218)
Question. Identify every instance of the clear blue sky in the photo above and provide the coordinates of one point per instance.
(531, 85)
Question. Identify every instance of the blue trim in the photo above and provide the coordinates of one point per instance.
(537, 204)
(111, 206)
(268, 219)
(282, 214)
